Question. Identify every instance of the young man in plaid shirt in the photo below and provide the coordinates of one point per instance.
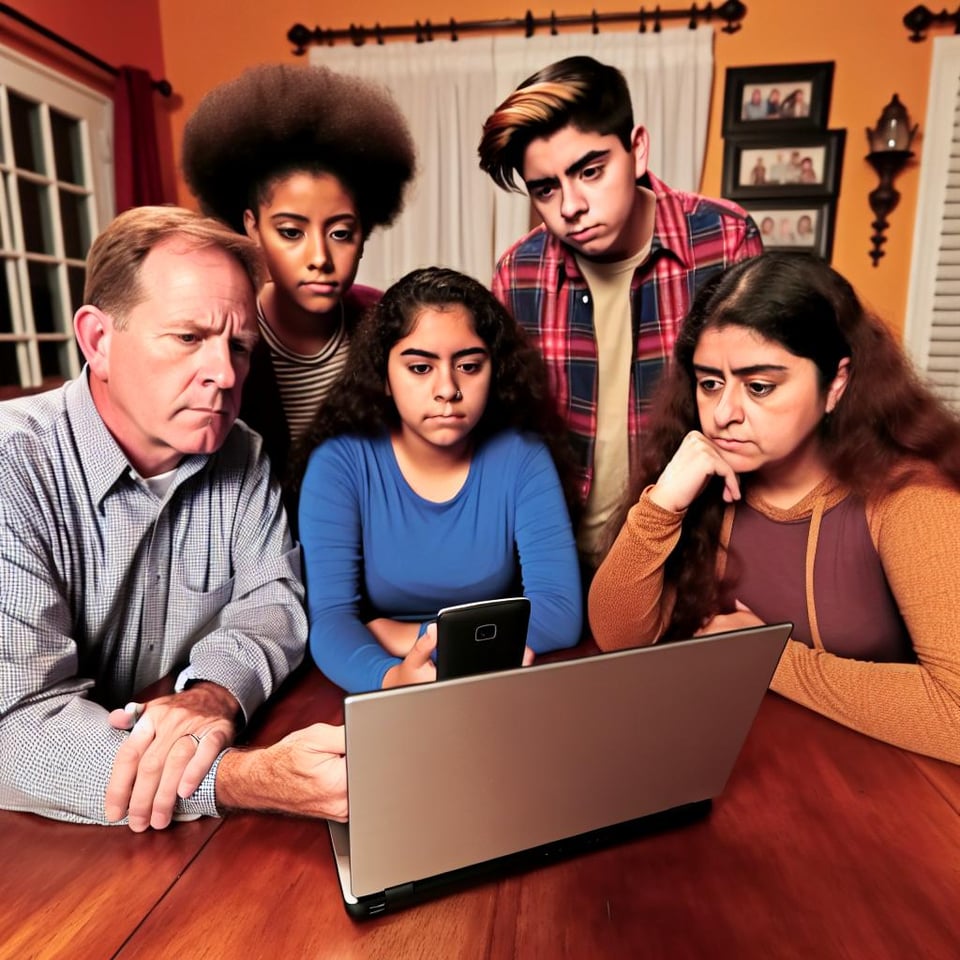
(616, 244)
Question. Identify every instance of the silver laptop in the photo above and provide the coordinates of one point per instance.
(460, 777)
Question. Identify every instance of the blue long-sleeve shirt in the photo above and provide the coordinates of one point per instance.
(374, 548)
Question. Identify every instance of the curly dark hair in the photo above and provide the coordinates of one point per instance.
(519, 395)
(886, 429)
(276, 119)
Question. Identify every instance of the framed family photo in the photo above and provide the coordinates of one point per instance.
(801, 225)
(791, 96)
(792, 165)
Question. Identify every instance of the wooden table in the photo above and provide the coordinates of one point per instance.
(824, 844)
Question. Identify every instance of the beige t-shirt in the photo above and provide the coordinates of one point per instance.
(609, 285)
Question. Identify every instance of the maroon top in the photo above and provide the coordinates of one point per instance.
(856, 613)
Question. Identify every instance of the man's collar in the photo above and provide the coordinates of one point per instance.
(101, 458)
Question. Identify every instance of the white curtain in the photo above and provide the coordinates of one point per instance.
(454, 215)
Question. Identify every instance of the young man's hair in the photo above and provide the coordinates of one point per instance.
(578, 91)
(114, 261)
(275, 120)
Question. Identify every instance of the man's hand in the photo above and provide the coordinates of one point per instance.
(417, 667)
(162, 759)
(304, 774)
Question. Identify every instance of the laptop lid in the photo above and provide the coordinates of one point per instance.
(446, 775)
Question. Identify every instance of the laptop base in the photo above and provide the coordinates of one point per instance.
(408, 894)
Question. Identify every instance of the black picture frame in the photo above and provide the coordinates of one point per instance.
(812, 83)
(820, 211)
(795, 165)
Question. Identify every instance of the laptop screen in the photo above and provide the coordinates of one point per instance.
(441, 776)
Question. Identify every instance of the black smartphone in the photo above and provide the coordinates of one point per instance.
(481, 637)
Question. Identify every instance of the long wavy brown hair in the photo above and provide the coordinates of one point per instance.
(519, 395)
(886, 428)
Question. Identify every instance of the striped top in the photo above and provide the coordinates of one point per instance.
(304, 380)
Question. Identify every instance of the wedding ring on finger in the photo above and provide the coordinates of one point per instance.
(195, 738)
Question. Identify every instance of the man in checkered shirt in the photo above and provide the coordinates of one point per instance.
(140, 535)
(602, 285)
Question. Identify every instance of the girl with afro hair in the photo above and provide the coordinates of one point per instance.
(307, 162)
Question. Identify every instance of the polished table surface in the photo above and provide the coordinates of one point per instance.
(824, 844)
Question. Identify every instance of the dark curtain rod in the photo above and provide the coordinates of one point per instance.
(732, 12)
(920, 19)
(162, 86)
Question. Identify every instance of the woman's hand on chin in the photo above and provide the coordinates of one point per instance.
(689, 471)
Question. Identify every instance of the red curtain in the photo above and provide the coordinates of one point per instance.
(136, 156)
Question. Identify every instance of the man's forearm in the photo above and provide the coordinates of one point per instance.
(304, 775)
(240, 783)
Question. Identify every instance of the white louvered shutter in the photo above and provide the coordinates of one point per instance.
(932, 330)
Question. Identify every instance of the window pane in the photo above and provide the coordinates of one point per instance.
(35, 212)
(75, 224)
(6, 292)
(52, 202)
(25, 127)
(67, 152)
(75, 279)
(53, 359)
(9, 374)
(7, 234)
(45, 297)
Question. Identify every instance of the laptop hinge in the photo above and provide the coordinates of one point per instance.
(398, 895)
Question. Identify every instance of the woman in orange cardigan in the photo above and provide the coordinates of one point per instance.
(795, 469)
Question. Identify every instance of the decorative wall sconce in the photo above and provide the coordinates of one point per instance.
(920, 19)
(889, 153)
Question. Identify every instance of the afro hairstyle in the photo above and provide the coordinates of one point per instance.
(277, 119)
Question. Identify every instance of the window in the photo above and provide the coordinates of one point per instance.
(56, 168)
(932, 330)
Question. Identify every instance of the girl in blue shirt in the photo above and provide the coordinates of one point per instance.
(429, 484)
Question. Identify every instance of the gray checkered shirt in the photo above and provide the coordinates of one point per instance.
(104, 588)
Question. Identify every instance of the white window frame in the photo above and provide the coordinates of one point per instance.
(94, 111)
(935, 268)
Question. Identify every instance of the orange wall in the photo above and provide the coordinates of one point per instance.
(120, 32)
(197, 44)
(874, 60)
(205, 42)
